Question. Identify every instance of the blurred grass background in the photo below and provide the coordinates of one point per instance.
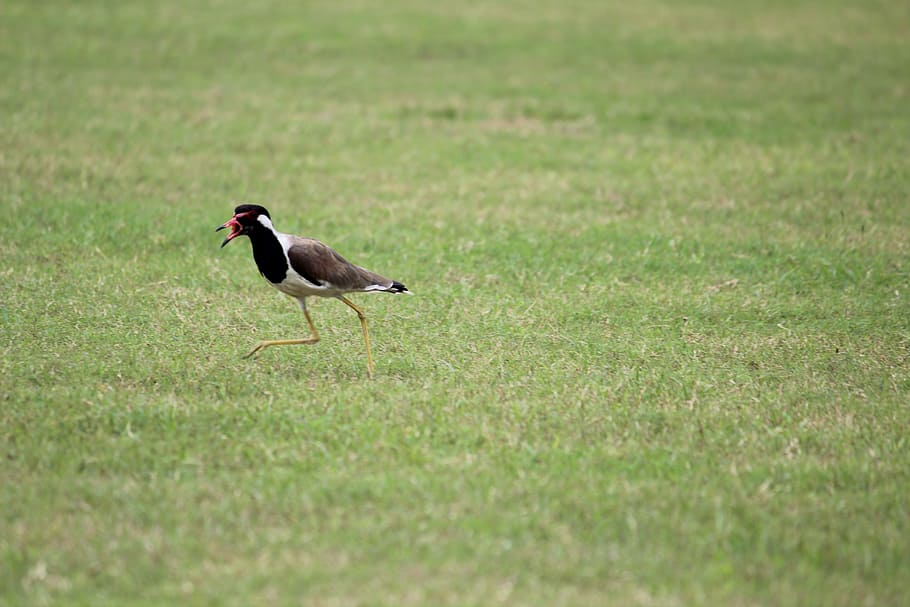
(660, 344)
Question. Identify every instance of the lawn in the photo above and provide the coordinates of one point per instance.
(658, 351)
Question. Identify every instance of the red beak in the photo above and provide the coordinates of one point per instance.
(236, 229)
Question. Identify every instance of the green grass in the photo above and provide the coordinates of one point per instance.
(659, 352)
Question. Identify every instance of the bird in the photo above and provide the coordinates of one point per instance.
(304, 267)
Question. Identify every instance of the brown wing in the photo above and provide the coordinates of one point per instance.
(321, 265)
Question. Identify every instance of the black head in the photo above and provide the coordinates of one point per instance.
(244, 221)
(253, 210)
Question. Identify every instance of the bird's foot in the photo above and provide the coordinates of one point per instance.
(280, 342)
(255, 351)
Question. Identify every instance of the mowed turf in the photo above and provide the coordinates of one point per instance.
(658, 352)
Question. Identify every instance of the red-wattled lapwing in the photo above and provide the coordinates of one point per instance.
(301, 267)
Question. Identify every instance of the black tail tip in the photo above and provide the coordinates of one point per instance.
(397, 287)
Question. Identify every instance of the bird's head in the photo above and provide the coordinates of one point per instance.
(245, 220)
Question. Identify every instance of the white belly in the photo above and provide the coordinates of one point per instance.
(296, 285)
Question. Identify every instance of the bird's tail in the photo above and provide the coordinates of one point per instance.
(397, 287)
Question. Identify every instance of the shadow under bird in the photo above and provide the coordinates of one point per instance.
(303, 267)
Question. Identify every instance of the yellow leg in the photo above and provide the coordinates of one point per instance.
(312, 339)
(366, 334)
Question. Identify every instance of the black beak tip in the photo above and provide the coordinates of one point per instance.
(226, 240)
(219, 228)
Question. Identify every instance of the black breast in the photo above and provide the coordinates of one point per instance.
(269, 255)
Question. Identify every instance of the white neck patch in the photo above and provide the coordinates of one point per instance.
(266, 222)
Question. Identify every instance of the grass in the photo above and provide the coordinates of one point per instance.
(659, 352)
